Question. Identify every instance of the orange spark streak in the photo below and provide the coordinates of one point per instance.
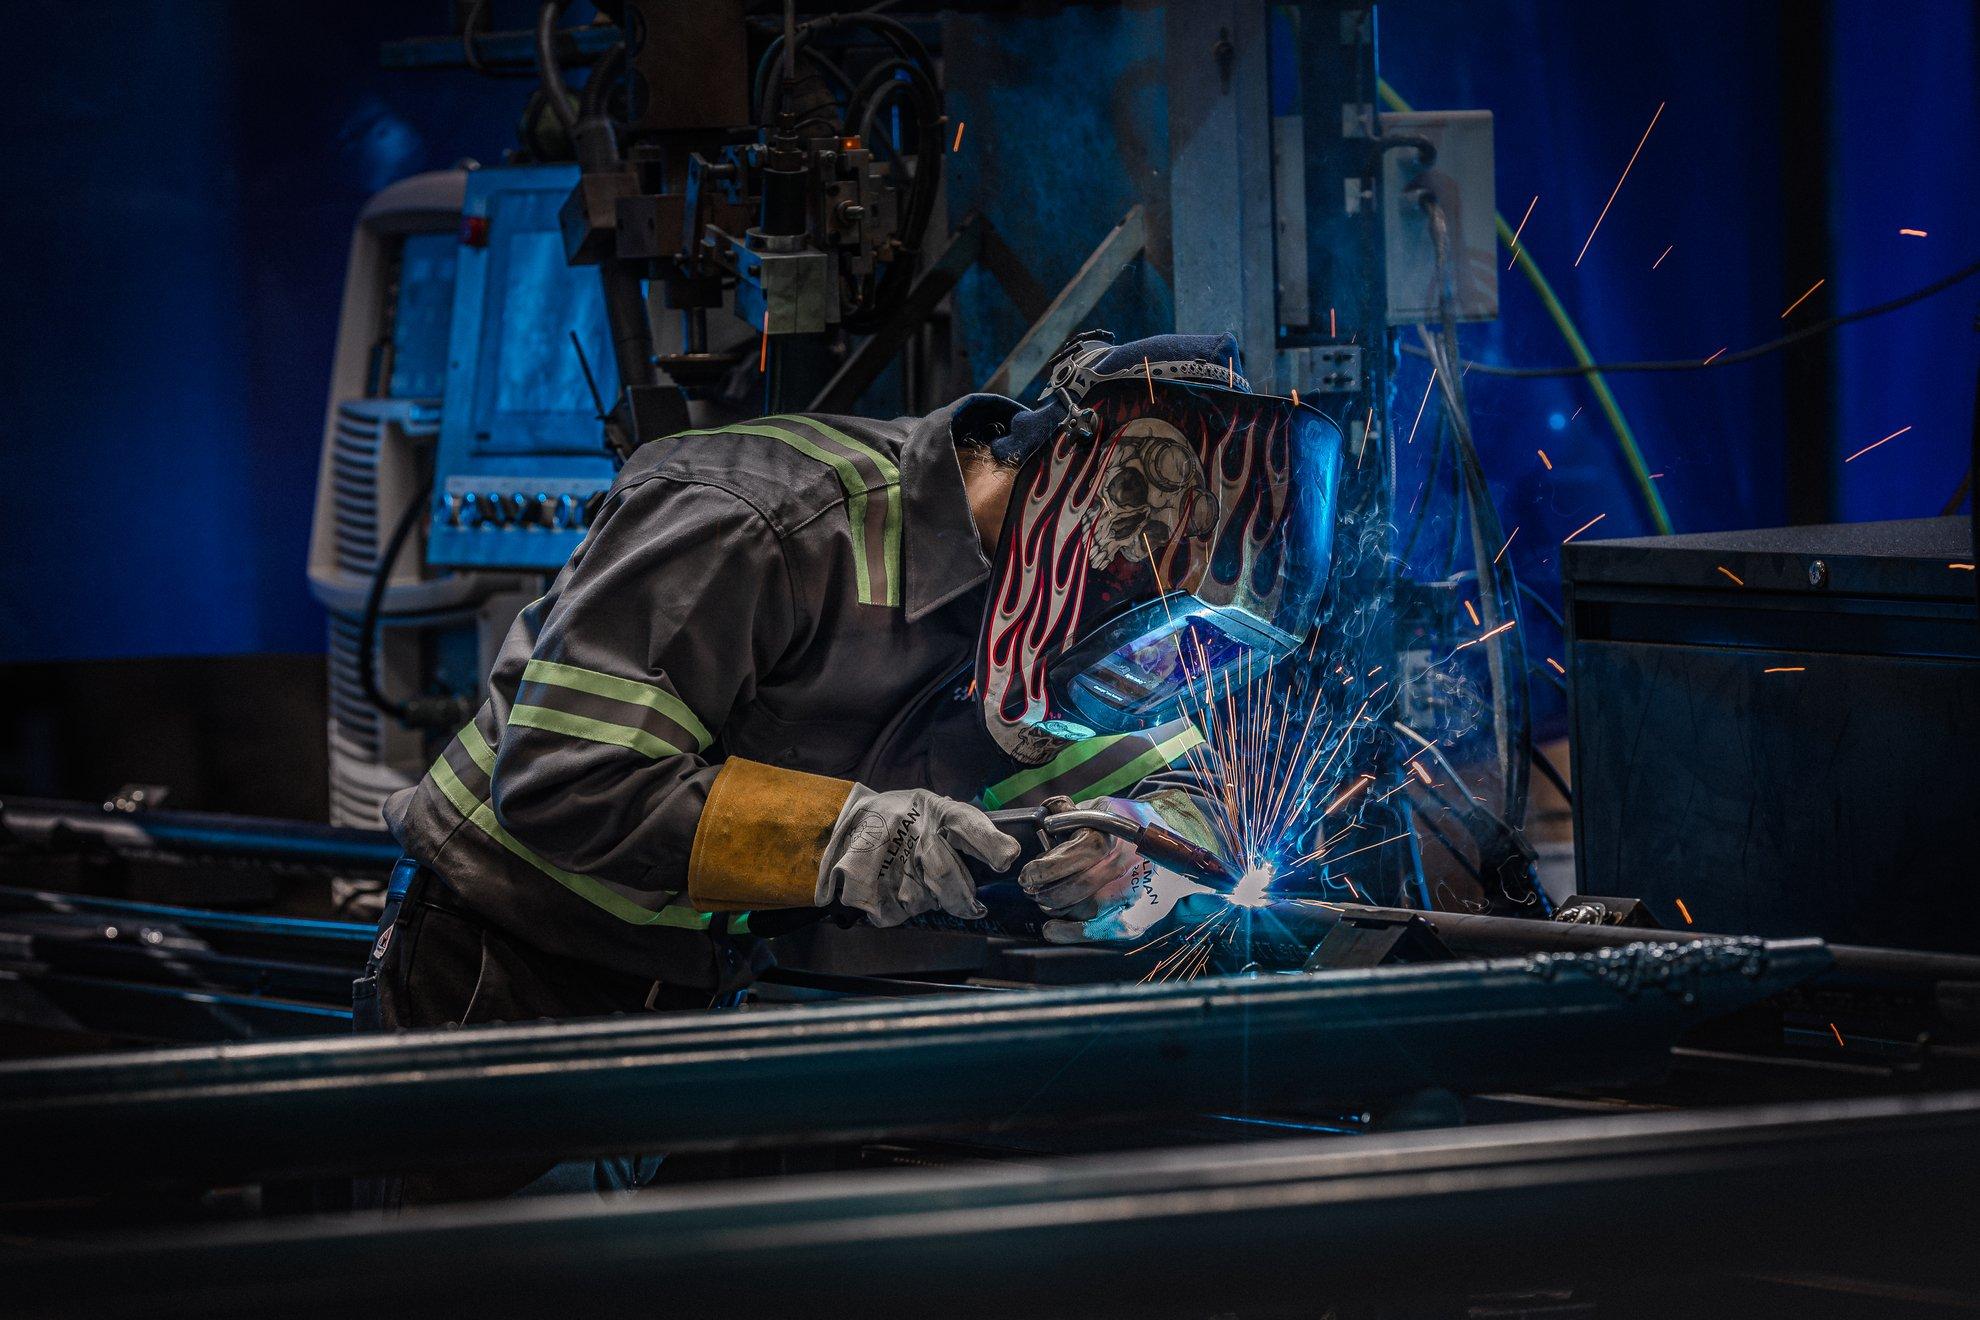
(1804, 297)
(1786, 669)
(1295, 397)
(1684, 912)
(1473, 613)
(1912, 233)
(1333, 330)
(1417, 768)
(1544, 459)
(1556, 664)
(763, 353)
(1715, 357)
(1660, 257)
(1867, 448)
(1838, 1035)
(1619, 183)
(1522, 229)
(1737, 580)
(958, 143)
(1150, 373)
(1484, 637)
(1584, 527)
(1502, 549)
(1964, 567)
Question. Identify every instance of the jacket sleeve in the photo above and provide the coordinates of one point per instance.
(656, 630)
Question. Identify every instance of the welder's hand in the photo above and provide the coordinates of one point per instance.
(1088, 867)
(896, 855)
(1128, 909)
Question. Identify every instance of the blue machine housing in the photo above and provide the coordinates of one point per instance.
(522, 464)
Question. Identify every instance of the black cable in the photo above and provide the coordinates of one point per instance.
(547, 70)
(368, 624)
(1722, 359)
(471, 45)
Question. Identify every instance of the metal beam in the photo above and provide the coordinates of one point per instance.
(1221, 220)
(1074, 304)
(865, 363)
(1339, 1041)
(1663, 1200)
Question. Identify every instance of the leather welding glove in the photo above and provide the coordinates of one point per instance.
(1100, 887)
(1144, 898)
(898, 854)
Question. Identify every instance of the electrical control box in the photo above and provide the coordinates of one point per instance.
(522, 464)
(1460, 180)
(1775, 732)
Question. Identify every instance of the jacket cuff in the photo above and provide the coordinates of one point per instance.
(761, 838)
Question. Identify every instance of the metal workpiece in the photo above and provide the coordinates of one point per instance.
(77, 827)
(1324, 1042)
(1279, 1228)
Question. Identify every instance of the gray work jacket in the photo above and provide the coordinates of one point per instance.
(801, 591)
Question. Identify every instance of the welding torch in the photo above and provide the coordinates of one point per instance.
(1162, 846)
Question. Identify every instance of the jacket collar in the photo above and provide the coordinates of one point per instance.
(943, 555)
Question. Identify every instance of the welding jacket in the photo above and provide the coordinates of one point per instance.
(760, 615)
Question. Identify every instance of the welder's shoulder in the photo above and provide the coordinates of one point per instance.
(788, 468)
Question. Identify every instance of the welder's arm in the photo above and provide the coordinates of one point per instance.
(654, 632)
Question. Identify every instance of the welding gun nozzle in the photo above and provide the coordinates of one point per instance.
(1162, 846)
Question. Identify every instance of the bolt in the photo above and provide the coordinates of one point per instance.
(1818, 573)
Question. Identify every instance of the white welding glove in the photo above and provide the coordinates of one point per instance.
(1099, 887)
(898, 854)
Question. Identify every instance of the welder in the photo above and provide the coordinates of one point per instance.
(796, 659)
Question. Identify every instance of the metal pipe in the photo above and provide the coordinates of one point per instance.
(1686, 1204)
(64, 826)
(1331, 1042)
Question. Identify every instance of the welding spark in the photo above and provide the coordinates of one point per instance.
(1295, 395)
(1660, 257)
(1485, 637)
(1912, 233)
(1584, 527)
(1804, 297)
(1683, 911)
(1619, 183)
(1250, 891)
(1475, 621)
(1556, 664)
(1867, 448)
(1838, 1036)
(1786, 669)
(1522, 229)
(1421, 406)
(1576, 413)
(1737, 580)
(1502, 549)
(1544, 459)
(1149, 372)
(1333, 330)
(1416, 768)
(1968, 568)
(1714, 358)
(960, 124)
(763, 353)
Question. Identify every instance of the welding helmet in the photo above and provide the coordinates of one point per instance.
(1174, 531)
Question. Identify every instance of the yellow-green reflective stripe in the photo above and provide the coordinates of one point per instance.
(892, 538)
(1155, 758)
(483, 818)
(855, 488)
(619, 689)
(598, 731)
(1070, 759)
(478, 749)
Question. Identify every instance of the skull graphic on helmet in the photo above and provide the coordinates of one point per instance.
(1152, 491)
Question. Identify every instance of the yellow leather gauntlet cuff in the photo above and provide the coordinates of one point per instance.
(761, 837)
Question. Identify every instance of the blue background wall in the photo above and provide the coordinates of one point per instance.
(183, 179)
